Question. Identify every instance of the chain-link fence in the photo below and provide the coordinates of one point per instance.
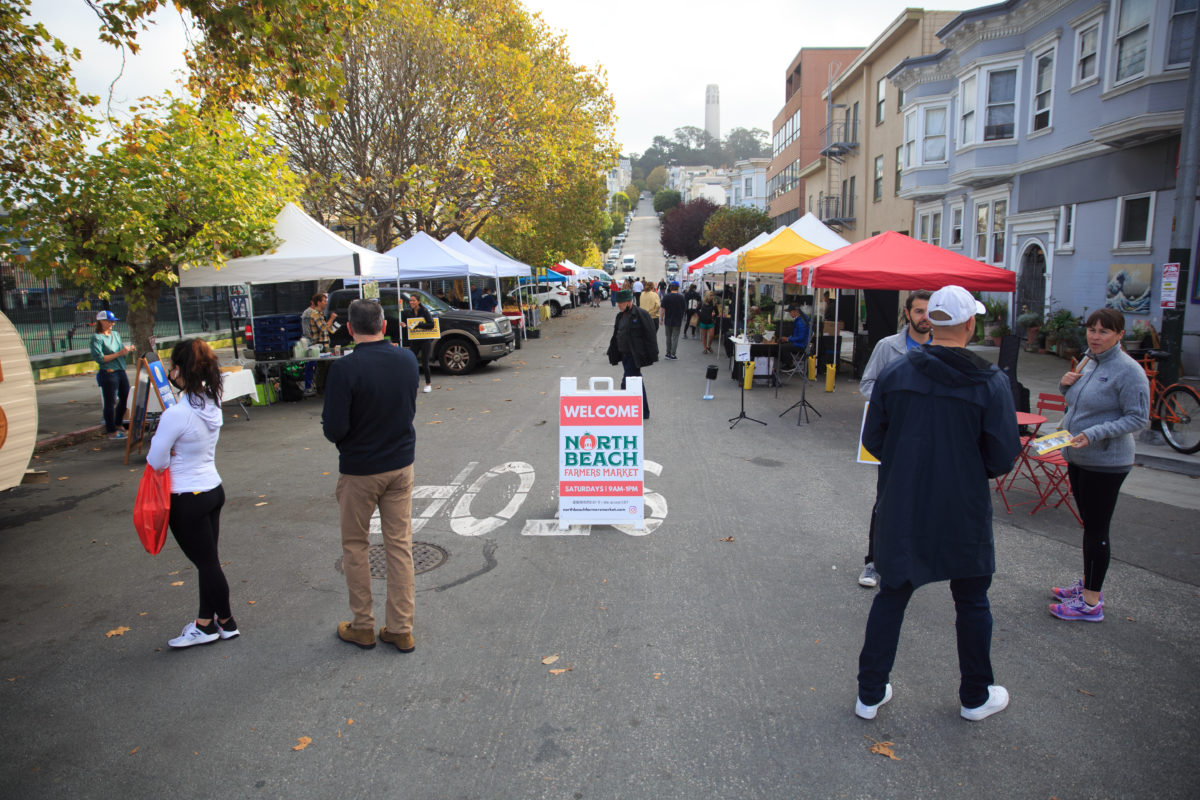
(56, 319)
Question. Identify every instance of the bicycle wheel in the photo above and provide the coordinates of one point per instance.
(1179, 408)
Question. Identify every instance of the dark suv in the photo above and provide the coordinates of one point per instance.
(469, 338)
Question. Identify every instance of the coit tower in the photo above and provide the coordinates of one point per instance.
(712, 111)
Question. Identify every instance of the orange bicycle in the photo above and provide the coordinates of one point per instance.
(1176, 406)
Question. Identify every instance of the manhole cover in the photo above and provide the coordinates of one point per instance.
(425, 557)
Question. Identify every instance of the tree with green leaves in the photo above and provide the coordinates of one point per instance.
(656, 181)
(172, 188)
(634, 194)
(619, 203)
(743, 143)
(666, 199)
(618, 223)
(733, 227)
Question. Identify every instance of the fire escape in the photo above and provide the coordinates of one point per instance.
(835, 205)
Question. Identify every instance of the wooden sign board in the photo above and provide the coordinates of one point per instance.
(18, 406)
(155, 383)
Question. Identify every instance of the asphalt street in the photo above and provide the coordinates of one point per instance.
(711, 656)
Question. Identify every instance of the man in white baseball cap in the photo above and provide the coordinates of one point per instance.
(955, 410)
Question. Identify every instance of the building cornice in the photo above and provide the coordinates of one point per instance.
(1138, 130)
(997, 22)
(907, 17)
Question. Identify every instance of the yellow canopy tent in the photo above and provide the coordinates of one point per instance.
(773, 256)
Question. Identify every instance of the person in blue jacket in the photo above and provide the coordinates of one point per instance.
(947, 408)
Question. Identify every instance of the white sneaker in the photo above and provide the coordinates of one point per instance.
(427, 388)
(868, 712)
(227, 633)
(192, 635)
(869, 576)
(997, 701)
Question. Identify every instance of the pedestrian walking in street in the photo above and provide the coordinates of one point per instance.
(370, 402)
(707, 318)
(634, 343)
(1108, 401)
(652, 304)
(186, 442)
(637, 286)
(674, 307)
(951, 412)
(916, 333)
(108, 351)
(419, 347)
(692, 296)
(613, 288)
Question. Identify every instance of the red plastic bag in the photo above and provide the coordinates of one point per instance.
(152, 509)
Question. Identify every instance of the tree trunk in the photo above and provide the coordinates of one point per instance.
(142, 302)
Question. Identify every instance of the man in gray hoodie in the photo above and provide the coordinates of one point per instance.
(916, 333)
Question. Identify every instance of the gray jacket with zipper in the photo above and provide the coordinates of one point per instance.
(1109, 403)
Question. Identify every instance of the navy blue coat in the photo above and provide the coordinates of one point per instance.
(942, 422)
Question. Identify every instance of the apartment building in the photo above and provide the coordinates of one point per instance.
(853, 186)
(796, 131)
(1045, 139)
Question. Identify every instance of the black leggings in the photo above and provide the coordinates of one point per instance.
(421, 351)
(196, 524)
(1096, 496)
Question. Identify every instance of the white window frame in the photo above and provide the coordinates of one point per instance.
(1171, 17)
(968, 103)
(1078, 81)
(1148, 243)
(956, 226)
(991, 235)
(1015, 102)
(929, 225)
(880, 100)
(1052, 54)
(1117, 36)
(910, 139)
(877, 180)
(1066, 229)
(926, 136)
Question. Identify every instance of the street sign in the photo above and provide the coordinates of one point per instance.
(600, 453)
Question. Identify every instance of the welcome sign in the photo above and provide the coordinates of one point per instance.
(600, 453)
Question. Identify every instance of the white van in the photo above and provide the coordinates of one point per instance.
(629, 263)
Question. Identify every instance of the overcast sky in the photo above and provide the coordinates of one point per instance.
(658, 54)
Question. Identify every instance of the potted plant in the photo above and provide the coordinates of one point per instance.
(1031, 323)
(1060, 325)
(1137, 334)
(997, 310)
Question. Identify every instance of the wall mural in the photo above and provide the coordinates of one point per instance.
(1128, 288)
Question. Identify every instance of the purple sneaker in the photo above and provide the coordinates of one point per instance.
(1077, 609)
(1071, 592)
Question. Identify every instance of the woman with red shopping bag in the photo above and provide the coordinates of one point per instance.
(186, 442)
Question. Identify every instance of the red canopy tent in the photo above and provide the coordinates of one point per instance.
(706, 260)
(894, 261)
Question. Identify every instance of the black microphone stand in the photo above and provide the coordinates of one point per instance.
(742, 415)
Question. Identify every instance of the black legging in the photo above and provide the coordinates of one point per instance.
(1096, 496)
(421, 351)
(196, 523)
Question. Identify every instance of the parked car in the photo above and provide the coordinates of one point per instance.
(469, 338)
(554, 295)
(629, 263)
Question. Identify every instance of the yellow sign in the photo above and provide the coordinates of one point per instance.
(863, 456)
(429, 333)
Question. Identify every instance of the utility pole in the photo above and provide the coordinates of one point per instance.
(1185, 213)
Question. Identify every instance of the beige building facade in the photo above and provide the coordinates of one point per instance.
(853, 183)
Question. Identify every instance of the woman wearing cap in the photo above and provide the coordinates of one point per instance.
(1108, 400)
(109, 354)
(186, 441)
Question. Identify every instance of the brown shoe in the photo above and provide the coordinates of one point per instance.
(356, 636)
(403, 641)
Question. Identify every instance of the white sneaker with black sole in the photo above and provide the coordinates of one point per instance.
(227, 634)
(192, 635)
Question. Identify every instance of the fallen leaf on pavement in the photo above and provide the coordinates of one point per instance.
(727, 539)
(176, 572)
(64, 477)
(324, 473)
(177, 583)
(118, 631)
(560, 671)
(434, 422)
(303, 742)
(251, 602)
(882, 748)
(134, 750)
(657, 675)
(256, 505)
(1085, 691)
(143, 613)
(550, 659)
(349, 722)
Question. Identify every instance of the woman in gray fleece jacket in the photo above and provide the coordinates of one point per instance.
(1108, 400)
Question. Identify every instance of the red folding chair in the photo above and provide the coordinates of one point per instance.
(1051, 402)
(1054, 482)
(1021, 467)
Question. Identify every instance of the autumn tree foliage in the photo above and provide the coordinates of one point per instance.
(733, 227)
(456, 115)
(683, 228)
(170, 189)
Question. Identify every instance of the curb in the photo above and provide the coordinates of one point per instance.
(66, 439)
(1181, 465)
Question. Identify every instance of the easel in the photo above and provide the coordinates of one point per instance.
(156, 376)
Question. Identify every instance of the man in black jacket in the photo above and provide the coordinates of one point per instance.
(375, 460)
(634, 342)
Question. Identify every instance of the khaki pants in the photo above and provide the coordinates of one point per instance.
(358, 496)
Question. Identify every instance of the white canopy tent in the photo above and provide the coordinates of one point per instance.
(307, 251)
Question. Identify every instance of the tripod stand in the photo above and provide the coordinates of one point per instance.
(803, 403)
(742, 414)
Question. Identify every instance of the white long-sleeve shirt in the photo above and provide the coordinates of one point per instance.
(186, 441)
